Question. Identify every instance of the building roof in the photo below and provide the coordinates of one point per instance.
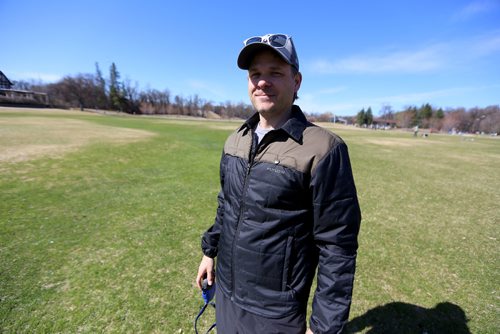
(4, 81)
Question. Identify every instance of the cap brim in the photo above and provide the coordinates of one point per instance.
(249, 51)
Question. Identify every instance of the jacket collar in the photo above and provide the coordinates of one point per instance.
(294, 127)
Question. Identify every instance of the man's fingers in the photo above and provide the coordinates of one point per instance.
(206, 269)
(199, 278)
(210, 277)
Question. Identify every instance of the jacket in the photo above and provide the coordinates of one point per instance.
(287, 207)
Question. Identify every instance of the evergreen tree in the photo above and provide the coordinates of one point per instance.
(115, 91)
(369, 116)
(426, 111)
(360, 117)
(414, 116)
(440, 113)
(100, 89)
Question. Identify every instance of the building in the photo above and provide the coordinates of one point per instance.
(386, 124)
(5, 83)
(16, 97)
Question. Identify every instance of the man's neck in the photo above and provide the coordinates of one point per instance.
(273, 121)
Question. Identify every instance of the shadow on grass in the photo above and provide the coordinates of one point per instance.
(401, 317)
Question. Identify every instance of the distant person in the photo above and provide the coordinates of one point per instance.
(415, 131)
(287, 206)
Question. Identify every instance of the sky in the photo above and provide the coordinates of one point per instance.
(353, 54)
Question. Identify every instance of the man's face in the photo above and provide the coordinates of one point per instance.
(271, 84)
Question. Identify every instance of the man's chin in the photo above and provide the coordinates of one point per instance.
(265, 111)
(264, 107)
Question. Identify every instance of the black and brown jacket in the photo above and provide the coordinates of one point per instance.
(287, 206)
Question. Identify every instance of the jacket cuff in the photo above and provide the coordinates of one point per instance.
(209, 251)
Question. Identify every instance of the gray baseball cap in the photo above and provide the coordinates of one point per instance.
(280, 43)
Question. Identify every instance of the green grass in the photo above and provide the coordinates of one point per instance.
(106, 237)
(430, 229)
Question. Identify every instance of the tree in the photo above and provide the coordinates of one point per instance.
(22, 85)
(324, 117)
(130, 97)
(115, 91)
(425, 114)
(78, 91)
(208, 106)
(492, 120)
(440, 113)
(100, 89)
(436, 121)
(426, 111)
(455, 120)
(369, 116)
(407, 118)
(179, 104)
(386, 112)
(361, 117)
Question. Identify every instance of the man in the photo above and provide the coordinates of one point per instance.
(287, 206)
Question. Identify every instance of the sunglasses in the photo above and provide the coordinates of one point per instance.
(275, 40)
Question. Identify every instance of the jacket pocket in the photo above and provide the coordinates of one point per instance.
(287, 263)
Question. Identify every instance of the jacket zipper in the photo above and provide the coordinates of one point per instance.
(253, 152)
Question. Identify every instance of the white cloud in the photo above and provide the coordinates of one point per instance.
(417, 61)
(474, 9)
(331, 90)
(417, 98)
(432, 58)
(487, 45)
(206, 87)
(309, 99)
(313, 107)
(310, 103)
(424, 97)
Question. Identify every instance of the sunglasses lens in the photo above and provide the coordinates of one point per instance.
(278, 40)
(253, 40)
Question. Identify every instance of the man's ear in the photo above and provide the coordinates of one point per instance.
(298, 81)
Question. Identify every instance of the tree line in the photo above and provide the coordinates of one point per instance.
(472, 120)
(94, 91)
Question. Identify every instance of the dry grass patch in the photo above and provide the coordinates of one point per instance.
(399, 142)
(41, 111)
(224, 126)
(340, 126)
(28, 138)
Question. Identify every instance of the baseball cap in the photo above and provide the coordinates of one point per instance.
(280, 43)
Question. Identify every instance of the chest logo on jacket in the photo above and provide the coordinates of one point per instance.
(275, 170)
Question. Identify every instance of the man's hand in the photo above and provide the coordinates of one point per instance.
(309, 331)
(206, 269)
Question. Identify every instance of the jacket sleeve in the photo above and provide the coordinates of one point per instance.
(337, 219)
(210, 239)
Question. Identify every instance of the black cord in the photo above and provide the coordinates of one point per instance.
(203, 308)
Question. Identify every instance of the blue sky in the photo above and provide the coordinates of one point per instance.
(353, 54)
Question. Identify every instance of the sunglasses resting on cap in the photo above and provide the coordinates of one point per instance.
(280, 43)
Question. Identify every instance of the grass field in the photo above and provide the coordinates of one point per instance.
(101, 217)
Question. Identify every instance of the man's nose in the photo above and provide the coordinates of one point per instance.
(263, 82)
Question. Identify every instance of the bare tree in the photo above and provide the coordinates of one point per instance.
(78, 91)
(386, 112)
(406, 118)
